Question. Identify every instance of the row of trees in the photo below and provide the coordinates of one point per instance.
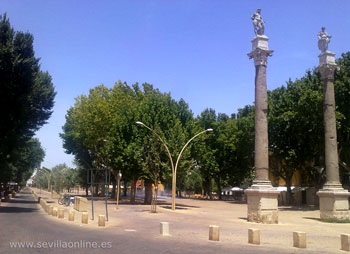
(100, 131)
(59, 178)
(26, 100)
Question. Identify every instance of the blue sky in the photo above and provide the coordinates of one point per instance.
(195, 49)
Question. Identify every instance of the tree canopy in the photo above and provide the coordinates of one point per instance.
(26, 99)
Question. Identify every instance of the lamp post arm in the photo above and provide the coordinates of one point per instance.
(178, 158)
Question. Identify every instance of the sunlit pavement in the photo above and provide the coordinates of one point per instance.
(133, 229)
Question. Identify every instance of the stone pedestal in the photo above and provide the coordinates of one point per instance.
(262, 198)
(262, 205)
(334, 205)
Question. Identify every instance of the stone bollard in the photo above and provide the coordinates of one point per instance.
(164, 228)
(54, 212)
(214, 233)
(44, 205)
(50, 210)
(48, 207)
(84, 218)
(101, 220)
(71, 216)
(345, 242)
(299, 239)
(61, 213)
(254, 236)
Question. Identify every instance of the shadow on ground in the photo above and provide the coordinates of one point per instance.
(19, 201)
(11, 209)
(179, 206)
(312, 218)
(296, 208)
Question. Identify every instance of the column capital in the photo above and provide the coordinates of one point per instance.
(260, 56)
(327, 71)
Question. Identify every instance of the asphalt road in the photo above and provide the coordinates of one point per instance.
(22, 220)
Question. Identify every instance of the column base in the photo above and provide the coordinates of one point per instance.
(334, 204)
(262, 204)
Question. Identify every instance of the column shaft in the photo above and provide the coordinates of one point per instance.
(261, 157)
(330, 130)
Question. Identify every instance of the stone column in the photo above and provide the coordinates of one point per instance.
(261, 196)
(334, 203)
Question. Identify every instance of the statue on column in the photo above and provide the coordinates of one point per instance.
(323, 40)
(258, 23)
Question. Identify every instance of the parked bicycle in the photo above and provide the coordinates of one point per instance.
(66, 200)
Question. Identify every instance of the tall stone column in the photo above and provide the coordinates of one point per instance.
(334, 204)
(261, 196)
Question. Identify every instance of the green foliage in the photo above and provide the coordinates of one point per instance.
(342, 97)
(26, 97)
(295, 126)
(100, 131)
(60, 177)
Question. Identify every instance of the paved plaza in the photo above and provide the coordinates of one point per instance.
(132, 228)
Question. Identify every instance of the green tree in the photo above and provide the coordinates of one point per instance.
(26, 94)
(342, 97)
(295, 128)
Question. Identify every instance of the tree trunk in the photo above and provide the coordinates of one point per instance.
(289, 191)
(125, 188)
(148, 192)
(133, 190)
(218, 183)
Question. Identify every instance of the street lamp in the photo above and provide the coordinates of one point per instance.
(173, 169)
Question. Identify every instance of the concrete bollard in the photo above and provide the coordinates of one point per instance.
(84, 218)
(101, 220)
(45, 206)
(10, 196)
(71, 216)
(254, 236)
(54, 212)
(345, 242)
(48, 207)
(61, 213)
(164, 228)
(299, 239)
(50, 210)
(214, 233)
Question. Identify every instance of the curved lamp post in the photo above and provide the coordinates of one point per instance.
(173, 169)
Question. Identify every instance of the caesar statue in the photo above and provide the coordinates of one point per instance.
(258, 23)
(323, 40)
